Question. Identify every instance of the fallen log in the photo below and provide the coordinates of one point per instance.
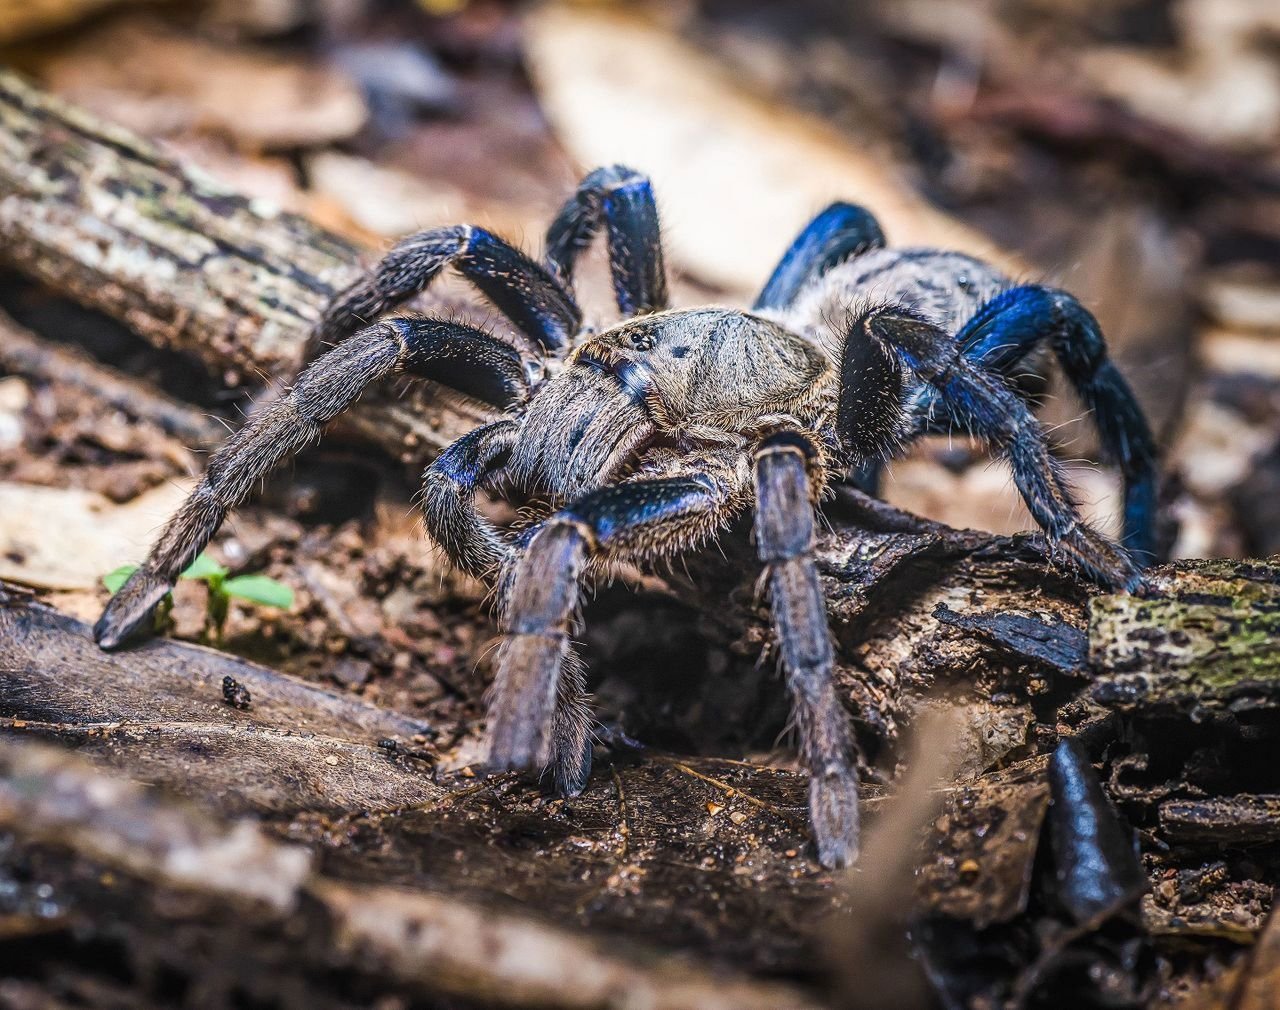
(110, 220)
(23, 353)
(174, 887)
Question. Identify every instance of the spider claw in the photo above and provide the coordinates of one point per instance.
(833, 809)
(130, 609)
(1138, 584)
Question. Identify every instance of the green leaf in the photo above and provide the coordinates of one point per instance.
(259, 589)
(115, 579)
(204, 567)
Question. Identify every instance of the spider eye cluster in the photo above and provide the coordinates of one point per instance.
(642, 340)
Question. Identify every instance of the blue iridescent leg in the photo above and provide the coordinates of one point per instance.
(840, 232)
(1012, 324)
(982, 401)
(535, 301)
(449, 498)
(537, 709)
(471, 360)
(622, 200)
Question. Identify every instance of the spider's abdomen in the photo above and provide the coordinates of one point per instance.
(946, 287)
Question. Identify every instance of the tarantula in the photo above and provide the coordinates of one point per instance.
(646, 439)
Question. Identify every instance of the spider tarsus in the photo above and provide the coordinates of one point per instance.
(130, 608)
(833, 809)
(528, 689)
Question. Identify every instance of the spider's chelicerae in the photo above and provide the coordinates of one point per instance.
(646, 439)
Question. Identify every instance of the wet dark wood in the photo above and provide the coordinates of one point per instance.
(169, 891)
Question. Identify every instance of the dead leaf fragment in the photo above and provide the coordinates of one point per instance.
(67, 538)
(736, 178)
(159, 82)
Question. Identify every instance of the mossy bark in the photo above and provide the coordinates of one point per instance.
(1209, 637)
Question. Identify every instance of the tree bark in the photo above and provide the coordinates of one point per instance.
(113, 222)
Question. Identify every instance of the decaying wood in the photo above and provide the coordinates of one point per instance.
(1206, 639)
(1238, 821)
(101, 215)
(159, 712)
(1249, 984)
(185, 871)
(109, 219)
(320, 768)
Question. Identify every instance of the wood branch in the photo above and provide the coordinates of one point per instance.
(112, 221)
(1207, 641)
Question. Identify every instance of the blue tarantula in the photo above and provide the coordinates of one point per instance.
(646, 439)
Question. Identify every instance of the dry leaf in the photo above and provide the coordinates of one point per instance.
(20, 18)
(736, 178)
(67, 538)
(152, 79)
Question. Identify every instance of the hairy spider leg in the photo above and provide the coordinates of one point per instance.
(529, 724)
(981, 400)
(1000, 336)
(622, 200)
(535, 301)
(840, 232)
(468, 359)
(784, 533)
(871, 419)
(1013, 323)
(871, 415)
(449, 485)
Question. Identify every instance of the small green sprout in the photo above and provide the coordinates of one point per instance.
(254, 588)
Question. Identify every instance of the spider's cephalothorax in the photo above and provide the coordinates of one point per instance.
(650, 436)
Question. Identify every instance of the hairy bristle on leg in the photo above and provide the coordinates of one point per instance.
(784, 540)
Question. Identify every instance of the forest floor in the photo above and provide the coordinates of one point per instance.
(336, 842)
